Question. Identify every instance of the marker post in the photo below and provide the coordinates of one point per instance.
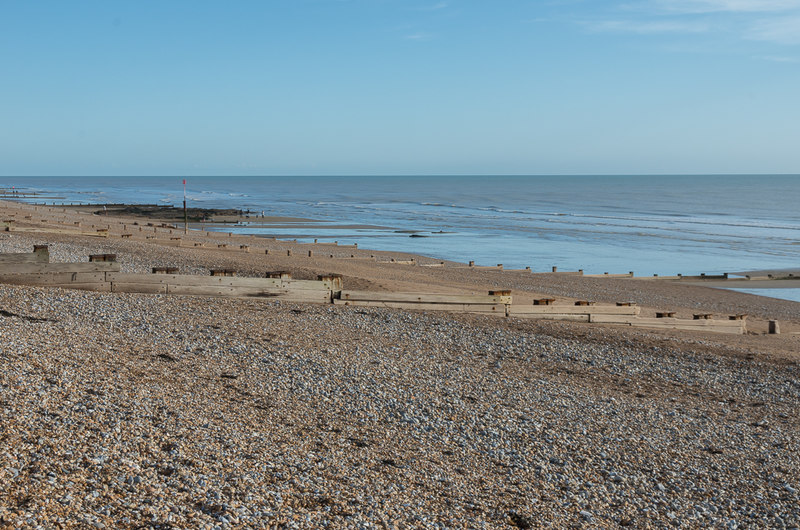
(185, 216)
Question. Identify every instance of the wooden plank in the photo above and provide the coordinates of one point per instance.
(424, 298)
(668, 321)
(195, 280)
(95, 286)
(712, 328)
(551, 316)
(221, 281)
(516, 310)
(131, 287)
(85, 286)
(25, 257)
(299, 295)
(44, 268)
(717, 326)
(319, 285)
(610, 319)
(686, 324)
(456, 308)
(59, 278)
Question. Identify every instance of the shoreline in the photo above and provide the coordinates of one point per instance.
(364, 268)
(507, 230)
(221, 218)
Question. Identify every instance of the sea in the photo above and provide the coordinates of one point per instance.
(665, 225)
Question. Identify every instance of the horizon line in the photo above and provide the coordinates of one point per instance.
(390, 175)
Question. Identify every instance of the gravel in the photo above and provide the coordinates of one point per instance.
(153, 411)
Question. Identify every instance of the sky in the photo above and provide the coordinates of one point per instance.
(399, 87)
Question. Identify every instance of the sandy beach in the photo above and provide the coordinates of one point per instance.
(154, 411)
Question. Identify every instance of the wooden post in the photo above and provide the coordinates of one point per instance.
(774, 327)
(185, 216)
(42, 253)
(335, 279)
(288, 252)
(555, 269)
(310, 253)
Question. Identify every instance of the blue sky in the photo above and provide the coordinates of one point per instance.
(290, 87)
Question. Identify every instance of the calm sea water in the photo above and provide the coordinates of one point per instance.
(645, 224)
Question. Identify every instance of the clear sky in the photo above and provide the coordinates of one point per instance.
(291, 87)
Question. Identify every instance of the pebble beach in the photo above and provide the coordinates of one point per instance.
(155, 411)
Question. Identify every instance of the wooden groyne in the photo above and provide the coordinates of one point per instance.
(496, 302)
(96, 275)
(734, 326)
(583, 313)
(102, 273)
